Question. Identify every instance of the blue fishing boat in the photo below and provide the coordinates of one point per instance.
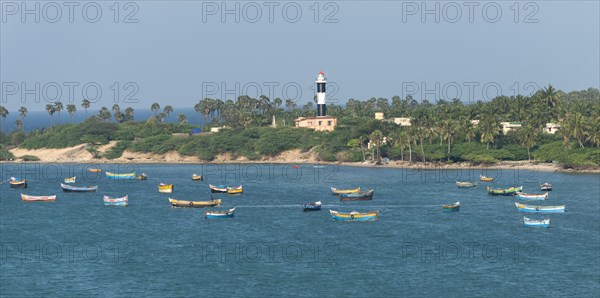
(220, 214)
(532, 197)
(540, 209)
(123, 201)
(17, 182)
(316, 206)
(124, 176)
(543, 223)
(71, 188)
(355, 216)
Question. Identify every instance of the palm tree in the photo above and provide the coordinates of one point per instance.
(182, 118)
(116, 108)
(3, 113)
(290, 104)
(19, 124)
(168, 110)
(577, 125)
(448, 130)
(50, 109)
(198, 109)
(58, 106)
(129, 114)
(377, 137)
(161, 117)
(593, 134)
(120, 117)
(71, 108)
(277, 101)
(400, 139)
(85, 104)
(104, 114)
(528, 137)
(23, 114)
(489, 131)
(155, 107)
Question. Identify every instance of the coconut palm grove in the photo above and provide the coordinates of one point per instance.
(446, 131)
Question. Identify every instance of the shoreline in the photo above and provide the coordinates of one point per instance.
(78, 155)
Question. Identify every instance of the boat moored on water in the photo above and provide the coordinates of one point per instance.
(194, 204)
(540, 209)
(543, 223)
(485, 179)
(28, 198)
(17, 182)
(122, 201)
(359, 196)
(225, 189)
(235, 190)
(316, 206)
(143, 176)
(72, 188)
(219, 214)
(94, 170)
(451, 207)
(197, 177)
(70, 180)
(511, 191)
(124, 176)
(165, 188)
(466, 184)
(337, 192)
(532, 197)
(355, 216)
(546, 186)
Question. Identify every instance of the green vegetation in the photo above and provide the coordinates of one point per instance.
(440, 132)
(29, 158)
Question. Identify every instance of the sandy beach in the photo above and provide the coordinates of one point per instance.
(79, 154)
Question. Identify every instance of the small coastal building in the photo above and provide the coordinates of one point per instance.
(402, 121)
(379, 116)
(217, 129)
(324, 123)
(371, 144)
(508, 126)
(551, 128)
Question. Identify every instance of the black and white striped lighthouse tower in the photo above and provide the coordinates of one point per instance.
(321, 106)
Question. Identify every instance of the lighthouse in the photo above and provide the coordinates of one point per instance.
(321, 106)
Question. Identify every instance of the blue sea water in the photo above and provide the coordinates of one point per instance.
(76, 246)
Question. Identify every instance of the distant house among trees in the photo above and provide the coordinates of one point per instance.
(551, 128)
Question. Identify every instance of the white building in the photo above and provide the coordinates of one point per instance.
(508, 126)
(402, 121)
(551, 128)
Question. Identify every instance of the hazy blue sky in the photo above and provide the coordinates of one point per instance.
(178, 52)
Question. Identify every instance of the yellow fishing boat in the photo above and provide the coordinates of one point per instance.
(336, 191)
(165, 188)
(485, 179)
(197, 177)
(194, 204)
(235, 190)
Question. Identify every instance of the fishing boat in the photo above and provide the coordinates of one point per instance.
(194, 204)
(546, 186)
(17, 182)
(511, 191)
(165, 188)
(359, 196)
(143, 176)
(541, 209)
(124, 176)
(466, 184)
(197, 177)
(218, 188)
(28, 198)
(235, 190)
(295, 166)
(219, 214)
(316, 206)
(318, 167)
(451, 207)
(94, 170)
(355, 216)
(532, 197)
(71, 188)
(123, 201)
(543, 223)
(70, 180)
(337, 192)
(485, 179)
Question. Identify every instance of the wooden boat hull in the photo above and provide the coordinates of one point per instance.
(217, 188)
(354, 216)
(540, 209)
(486, 179)
(70, 180)
(504, 192)
(27, 198)
(546, 187)
(126, 176)
(312, 206)
(466, 184)
(197, 177)
(337, 192)
(235, 190)
(220, 214)
(194, 204)
(544, 223)
(452, 207)
(69, 188)
(142, 177)
(94, 170)
(532, 197)
(360, 196)
(123, 201)
(167, 188)
(20, 184)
